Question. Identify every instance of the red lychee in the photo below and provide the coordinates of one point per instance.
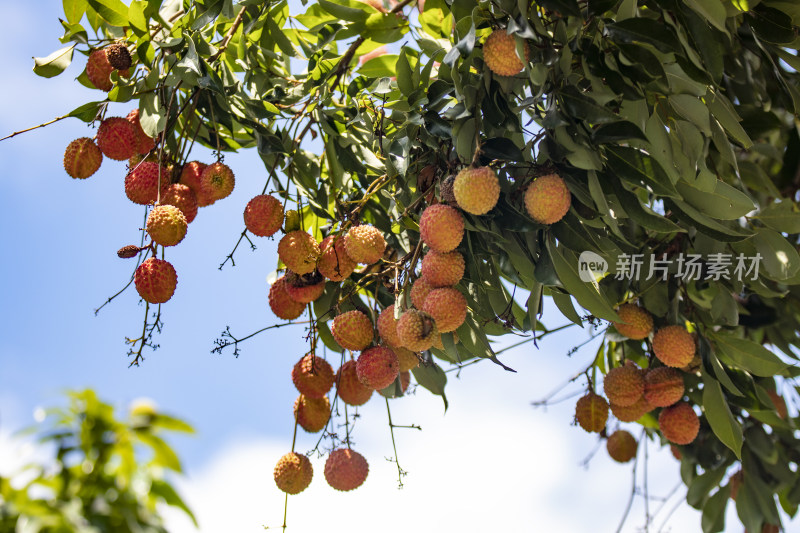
(442, 270)
(263, 215)
(679, 423)
(306, 288)
(591, 412)
(82, 158)
(476, 190)
(352, 330)
(281, 303)
(312, 413)
(312, 376)
(334, 263)
(345, 469)
(416, 330)
(190, 176)
(98, 70)
(377, 367)
(141, 184)
(448, 307)
(663, 386)
(387, 327)
(631, 413)
(116, 138)
(441, 227)
(293, 473)
(621, 446)
(217, 181)
(299, 251)
(181, 197)
(674, 346)
(144, 143)
(349, 387)
(364, 244)
(155, 280)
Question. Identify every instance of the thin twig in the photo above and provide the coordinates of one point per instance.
(34, 127)
(228, 36)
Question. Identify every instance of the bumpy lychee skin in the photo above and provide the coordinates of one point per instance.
(674, 346)
(441, 227)
(116, 138)
(631, 413)
(352, 330)
(181, 197)
(293, 473)
(448, 307)
(312, 413)
(416, 330)
(476, 190)
(312, 376)
(349, 387)
(406, 358)
(637, 323)
(190, 176)
(377, 367)
(345, 469)
(155, 280)
(141, 184)
(446, 191)
(299, 251)
(166, 225)
(679, 423)
(82, 158)
(217, 181)
(591, 412)
(621, 446)
(500, 54)
(334, 263)
(364, 244)
(119, 57)
(442, 270)
(547, 199)
(281, 303)
(306, 288)
(98, 70)
(623, 385)
(143, 143)
(387, 327)
(663, 386)
(263, 215)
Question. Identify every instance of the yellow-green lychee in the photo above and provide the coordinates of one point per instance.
(636, 324)
(406, 358)
(166, 225)
(500, 54)
(621, 446)
(217, 181)
(352, 330)
(364, 244)
(547, 199)
(417, 330)
(441, 227)
(623, 385)
(476, 190)
(299, 251)
(442, 269)
(447, 306)
(591, 412)
(293, 473)
(674, 346)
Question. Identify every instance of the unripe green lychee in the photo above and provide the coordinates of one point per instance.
(663, 386)
(679, 423)
(82, 158)
(636, 323)
(142, 183)
(416, 330)
(621, 446)
(263, 215)
(591, 412)
(441, 227)
(476, 190)
(312, 376)
(442, 270)
(299, 251)
(116, 138)
(623, 385)
(448, 307)
(547, 199)
(352, 330)
(144, 143)
(377, 367)
(155, 280)
(334, 263)
(500, 54)
(406, 358)
(419, 291)
(674, 346)
(118, 55)
(291, 221)
(293, 473)
(345, 469)
(631, 413)
(281, 303)
(312, 413)
(349, 387)
(181, 197)
(364, 244)
(217, 181)
(166, 225)
(306, 288)
(387, 327)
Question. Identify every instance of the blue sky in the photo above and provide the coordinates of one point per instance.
(491, 462)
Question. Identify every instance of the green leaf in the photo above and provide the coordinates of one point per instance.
(344, 12)
(74, 10)
(404, 73)
(616, 132)
(638, 168)
(712, 10)
(719, 416)
(725, 202)
(723, 111)
(88, 111)
(164, 490)
(645, 30)
(772, 25)
(701, 486)
(779, 256)
(55, 63)
(112, 11)
(163, 454)
(432, 377)
(692, 109)
(582, 107)
(781, 217)
(380, 66)
(748, 355)
(713, 519)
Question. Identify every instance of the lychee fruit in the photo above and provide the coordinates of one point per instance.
(419, 291)
(674, 346)
(377, 367)
(476, 190)
(312, 376)
(663, 386)
(141, 184)
(637, 323)
(500, 54)
(263, 215)
(98, 70)
(291, 221)
(119, 57)
(144, 143)
(547, 199)
(345, 469)
(441, 227)
(281, 303)
(116, 138)
(416, 330)
(312, 413)
(631, 413)
(446, 191)
(387, 327)
(217, 181)
(442, 270)
(299, 251)
(181, 197)
(155, 280)
(352, 330)
(364, 244)
(166, 225)
(406, 358)
(349, 387)
(679, 423)
(82, 158)
(293, 473)
(306, 288)
(447, 306)
(623, 385)
(334, 263)
(190, 176)
(591, 412)
(621, 446)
